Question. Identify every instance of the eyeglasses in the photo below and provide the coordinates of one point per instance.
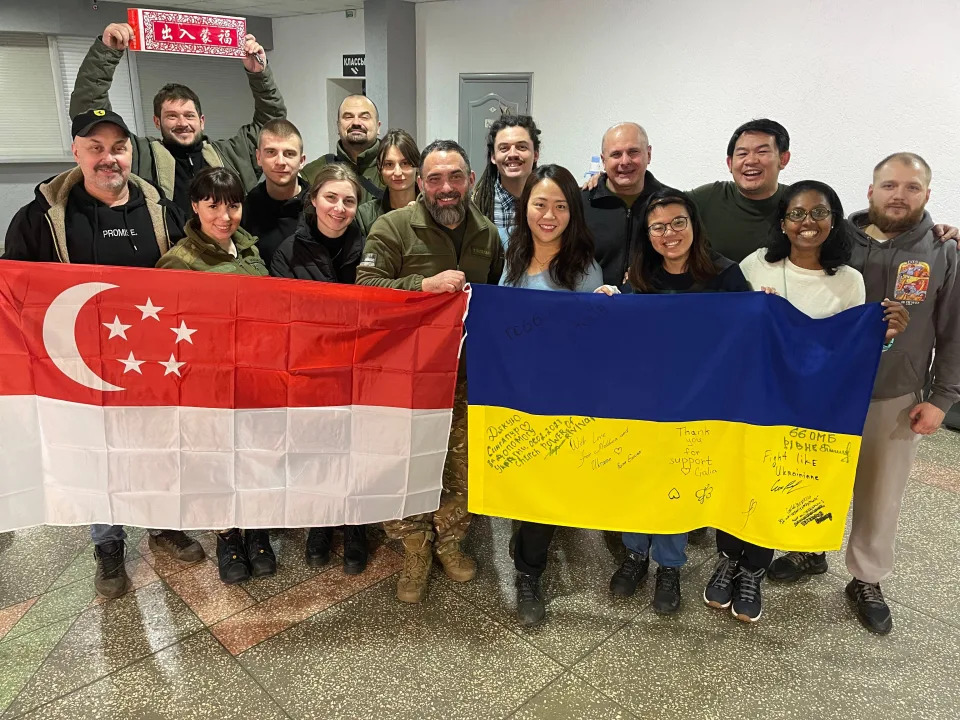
(818, 213)
(679, 223)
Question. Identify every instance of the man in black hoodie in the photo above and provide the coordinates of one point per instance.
(99, 213)
(901, 258)
(622, 188)
(271, 210)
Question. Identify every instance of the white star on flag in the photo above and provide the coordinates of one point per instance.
(117, 328)
(172, 366)
(183, 333)
(131, 363)
(149, 310)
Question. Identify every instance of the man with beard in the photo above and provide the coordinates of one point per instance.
(272, 209)
(513, 148)
(611, 198)
(437, 244)
(358, 123)
(901, 258)
(171, 163)
(99, 213)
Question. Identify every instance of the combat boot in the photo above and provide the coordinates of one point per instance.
(458, 566)
(417, 560)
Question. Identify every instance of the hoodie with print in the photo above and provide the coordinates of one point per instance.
(916, 269)
(64, 223)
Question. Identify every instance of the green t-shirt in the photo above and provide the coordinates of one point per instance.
(736, 225)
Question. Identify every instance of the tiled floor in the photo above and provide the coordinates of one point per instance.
(320, 644)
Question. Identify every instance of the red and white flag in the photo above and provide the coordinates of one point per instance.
(174, 31)
(194, 400)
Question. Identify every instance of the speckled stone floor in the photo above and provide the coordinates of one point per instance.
(320, 644)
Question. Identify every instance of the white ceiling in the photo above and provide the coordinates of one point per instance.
(268, 8)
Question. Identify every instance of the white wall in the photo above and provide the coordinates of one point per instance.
(308, 49)
(852, 81)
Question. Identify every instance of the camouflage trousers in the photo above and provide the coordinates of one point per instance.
(451, 520)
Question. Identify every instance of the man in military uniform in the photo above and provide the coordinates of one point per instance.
(437, 244)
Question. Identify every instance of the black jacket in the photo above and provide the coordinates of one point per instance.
(59, 225)
(614, 227)
(272, 221)
(310, 255)
(729, 278)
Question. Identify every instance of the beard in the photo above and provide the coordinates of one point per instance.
(168, 136)
(449, 214)
(887, 224)
(357, 138)
(111, 184)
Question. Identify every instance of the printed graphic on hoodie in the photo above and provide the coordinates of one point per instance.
(913, 280)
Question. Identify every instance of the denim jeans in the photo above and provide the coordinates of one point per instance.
(668, 550)
(102, 534)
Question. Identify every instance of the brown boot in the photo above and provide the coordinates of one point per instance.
(458, 566)
(417, 560)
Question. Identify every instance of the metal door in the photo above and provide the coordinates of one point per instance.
(483, 99)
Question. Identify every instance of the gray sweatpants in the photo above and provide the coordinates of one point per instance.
(887, 452)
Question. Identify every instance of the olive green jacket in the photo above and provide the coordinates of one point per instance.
(406, 245)
(151, 160)
(365, 166)
(197, 252)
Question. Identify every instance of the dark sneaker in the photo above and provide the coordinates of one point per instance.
(178, 545)
(354, 549)
(111, 579)
(232, 557)
(719, 590)
(318, 546)
(747, 602)
(872, 609)
(260, 555)
(666, 598)
(700, 536)
(632, 572)
(794, 565)
(530, 608)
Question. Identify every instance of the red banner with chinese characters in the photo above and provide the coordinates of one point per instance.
(170, 31)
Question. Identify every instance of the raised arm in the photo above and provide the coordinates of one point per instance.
(95, 76)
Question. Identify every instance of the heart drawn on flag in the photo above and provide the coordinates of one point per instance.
(60, 337)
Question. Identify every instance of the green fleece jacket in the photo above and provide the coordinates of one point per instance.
(406, 245)
(198, 252)
(365, 166)
(151, 160)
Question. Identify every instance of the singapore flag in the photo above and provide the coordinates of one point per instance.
(194, 400)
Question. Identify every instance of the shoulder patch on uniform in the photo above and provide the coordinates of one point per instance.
(369, 260)
(913, 281)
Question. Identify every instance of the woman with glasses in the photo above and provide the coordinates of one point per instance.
(673, 256)
(805, 263)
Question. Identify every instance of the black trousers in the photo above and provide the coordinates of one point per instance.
(533, 542)
(752, 557)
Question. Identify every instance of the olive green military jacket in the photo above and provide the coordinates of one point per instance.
(198, 252)
(407, 245)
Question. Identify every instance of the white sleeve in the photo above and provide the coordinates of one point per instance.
(857, 293)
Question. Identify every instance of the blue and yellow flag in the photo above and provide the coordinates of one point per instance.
(665, 413)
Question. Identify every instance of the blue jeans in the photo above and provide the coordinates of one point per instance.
(668, 550)
(102, 534)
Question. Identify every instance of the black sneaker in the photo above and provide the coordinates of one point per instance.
(719, 590)
(232, 557)
(530, 608)
(872, 609)
(794, 565)
(111, 579)
(747, 602)
(666, 598)
(354, 549)
(318, 546)
(260, 555)
(178, 545)
(632, 572)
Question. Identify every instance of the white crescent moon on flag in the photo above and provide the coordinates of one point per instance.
(60, 334)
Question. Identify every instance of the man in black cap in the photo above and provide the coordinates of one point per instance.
(99, 213)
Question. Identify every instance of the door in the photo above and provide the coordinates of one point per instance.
(483, 99)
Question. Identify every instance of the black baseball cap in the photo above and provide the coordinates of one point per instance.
(86, 121)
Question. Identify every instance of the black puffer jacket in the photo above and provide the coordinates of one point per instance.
(308, 254)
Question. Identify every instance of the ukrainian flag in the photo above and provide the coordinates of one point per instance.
(665, 413)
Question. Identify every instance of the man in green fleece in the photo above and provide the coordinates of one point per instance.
(183, 150)
(358, 122)
(437, 244)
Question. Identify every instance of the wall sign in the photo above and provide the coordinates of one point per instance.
(354, 66)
